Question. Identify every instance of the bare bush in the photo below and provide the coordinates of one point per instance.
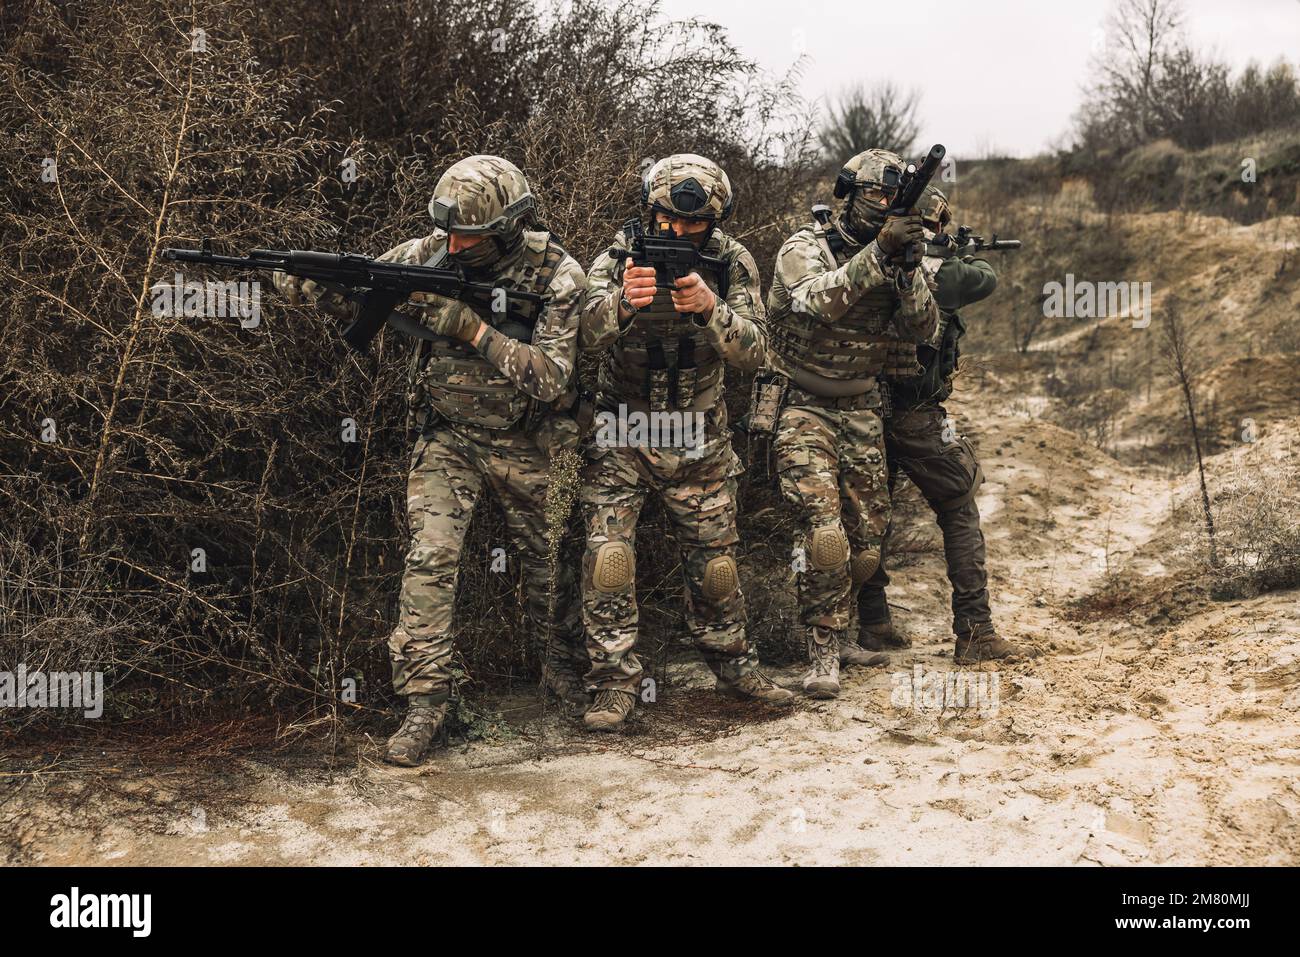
(1150, 84)
(1258, 535)
(1179, 353)
(131, 437)
(882, 116)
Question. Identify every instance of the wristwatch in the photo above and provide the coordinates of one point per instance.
(624, 324)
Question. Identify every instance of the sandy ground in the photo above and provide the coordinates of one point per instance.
(1126, 743)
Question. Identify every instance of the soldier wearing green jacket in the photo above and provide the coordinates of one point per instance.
(922, 441)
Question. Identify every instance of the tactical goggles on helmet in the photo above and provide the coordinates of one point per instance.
(445, 215)
(847, 181)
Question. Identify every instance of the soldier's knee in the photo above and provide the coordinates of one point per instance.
(398, 640)
(721, 579)
(423, 645)
(614, 568)
(429, 558)
(829, 547)
(863, 565)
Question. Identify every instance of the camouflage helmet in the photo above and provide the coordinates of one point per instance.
(934, 208)
(689, 186)
(878, 168)
(483, 194)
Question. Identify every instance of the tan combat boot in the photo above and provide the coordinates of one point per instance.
(851, 653)
(609, 711)
(561, 678)
(424, 717)
(757, 686)
(982, 643)
(823, 678)
(883, 636)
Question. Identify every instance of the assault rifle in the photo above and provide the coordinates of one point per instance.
(379, 287)
(672, 258)
(963, 243)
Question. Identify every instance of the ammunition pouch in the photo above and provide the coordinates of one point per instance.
(901, 361)
(938, 366)
(766, 399)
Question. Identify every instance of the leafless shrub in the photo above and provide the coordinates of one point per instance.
(881, 116)
(135, 437)
(166, 122)
(1179, 354)
(1258, 535)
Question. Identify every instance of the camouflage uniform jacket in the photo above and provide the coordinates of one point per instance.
(834, 307)
(492, 385)
(734, 334)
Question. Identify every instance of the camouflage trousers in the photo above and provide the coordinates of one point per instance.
(831, 467)
(449, 471)
(699, 496)
(944, 468)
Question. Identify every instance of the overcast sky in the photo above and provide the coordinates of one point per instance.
(1012, 69)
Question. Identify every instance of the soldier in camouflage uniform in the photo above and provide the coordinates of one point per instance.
(486, 396)
(664, 352)
(921, 440)
(837, 299)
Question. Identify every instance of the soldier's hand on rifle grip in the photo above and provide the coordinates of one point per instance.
(692, 297)
(456, 322)
(901, 232)
(638, 286)
(416, 304)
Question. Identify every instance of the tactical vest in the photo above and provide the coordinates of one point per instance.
(665, 362)
(854, 346)
(460, 384)
(931, 380)
(934, 383)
